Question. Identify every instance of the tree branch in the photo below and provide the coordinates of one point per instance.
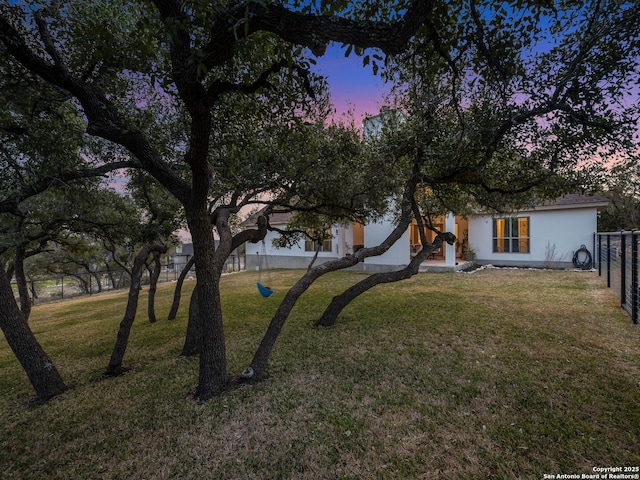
(219, 87)
(10, 204)
(253, 235)
(493, 62)
(103, 118)
(312, 31)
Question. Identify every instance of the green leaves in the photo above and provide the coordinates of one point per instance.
(513, 102)
(498, 95)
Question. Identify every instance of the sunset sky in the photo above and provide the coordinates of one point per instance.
(352, 85)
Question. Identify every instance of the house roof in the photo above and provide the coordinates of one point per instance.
(574, 200)
(569, 201)
(186, 249)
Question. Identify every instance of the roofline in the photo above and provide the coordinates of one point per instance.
(567, 206)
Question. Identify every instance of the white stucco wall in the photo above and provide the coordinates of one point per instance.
(398, 254)
(342, 244)
(554, 237)
(292, 257)
(296, 250)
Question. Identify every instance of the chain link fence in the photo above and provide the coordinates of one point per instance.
(617, 261)
(44, 289)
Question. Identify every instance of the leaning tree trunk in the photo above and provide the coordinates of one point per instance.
(339, 302)
(191, 345)
(177, 294)
(82, 283)
(261, 357)
(154, 275)
(21, 282)
(98, 281)
(110, 274)
(121, 280)
(40, 370)
(122, 339)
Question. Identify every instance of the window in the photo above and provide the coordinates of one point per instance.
(511, 235)
(325, 245)
(414, 233)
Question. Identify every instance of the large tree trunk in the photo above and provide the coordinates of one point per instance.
(122, 339)
(10, 270)
(177, 294)
(191, 345)
(42, 373)
(154, 275)
(212, 378)
(339, 302)
(21, 282)
(209, 263)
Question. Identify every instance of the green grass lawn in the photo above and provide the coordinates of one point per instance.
(498, 374)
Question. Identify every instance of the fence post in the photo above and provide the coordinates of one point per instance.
(623, 268)
(634, 277)
(62, 289)
(608, 261)
(599, 255)
(593, 249)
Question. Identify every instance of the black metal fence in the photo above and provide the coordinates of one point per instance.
(617, 260)
(57, 287)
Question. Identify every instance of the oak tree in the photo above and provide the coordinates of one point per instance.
(116, 61)
(508, 105)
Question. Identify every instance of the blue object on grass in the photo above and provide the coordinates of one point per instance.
(264, 291)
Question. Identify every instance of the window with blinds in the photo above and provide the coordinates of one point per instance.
(511, 235)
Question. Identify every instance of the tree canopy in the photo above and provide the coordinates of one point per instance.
(218, 104)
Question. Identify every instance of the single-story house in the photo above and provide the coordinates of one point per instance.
(547, 235)
(183, 253)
